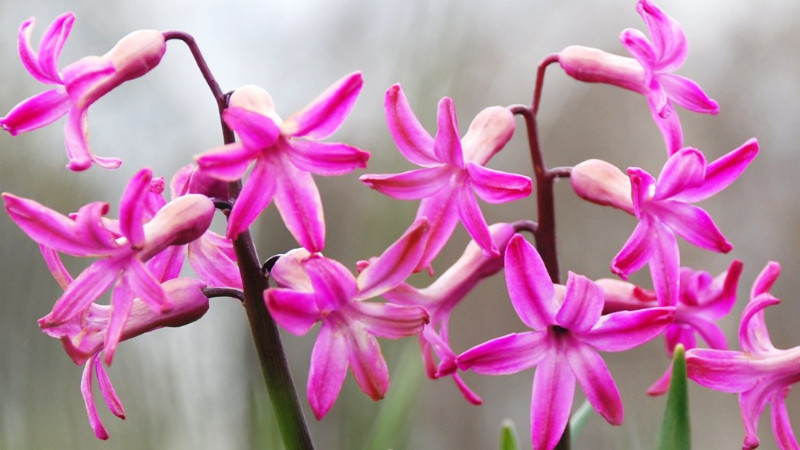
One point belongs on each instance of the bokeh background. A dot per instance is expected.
(199, 387)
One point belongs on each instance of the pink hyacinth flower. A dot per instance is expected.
(78, 85)
(649, 72)
(125, 250)
(452, 171)
(285, 154)
(84, 338)
(568, 331)
(443, 295)
(317, 289)
(760, 373)
(702, 301)
(663, 207)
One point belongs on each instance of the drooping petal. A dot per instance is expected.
(329, 360)
(669, 124)
(781, 426)
(121, 303)
(687, 93)
(324, 158)
(37, 111)
(390, 321)
(494, 186)
(710, 332)
(693, 224)
(473, 220)
(411, 185)
(506, 355)
(86, 288)
(441, 211)
(298, 201)
(254, 198)
(411, 139)
(636, 251)
(326, 113)
(665, 266)
(582, 306)
(56, 266)
(551, 402)
(131, 209)
(592, 374)
(227, 163)
(488, 133)
(396, 263)
(447, 144)
(367, 363)
(722, 172)
(721, 370)
(88, 399)
(625, 330)
(753, 333)
(752, 403)
(44, 64)
(668, 38)
(529, 286)
(145, 286)
(107, 391)
(256, 131)
(685, 169)
(296, 311)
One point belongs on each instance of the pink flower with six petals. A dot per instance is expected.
(452, 170)
(568, 332)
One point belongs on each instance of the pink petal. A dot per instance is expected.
(506, 355)
(753, 333)
(494, 186)
(324, 158)
(299, 203)
(529, 286)
(56, 266)
(592, 374)
(683, 170)
(441, 211)
(636, 251)
(411, 185)
(44, 65)
(390, 321)
(227, 163)
(334, 285)
(687, 93)
(642, 189)
(640, 48)
(447, 145)
(121, 303)
(329, 360)
(679, 333)
(146, 287)
(254, 198)
(764, 281)
(710, 332)
(288, 271)
(37, 111)
(752, 403)
(472, 218)
(582, 306)
(488, 133)
(693, 224)
(367, 363)
(468, 394)
(167, 265)
(86, 288)
(75, 130)
(722, 370)
(781, 426)
(326, 113)
(668, 37)
(625, 330)
(293, 310)
(131, 210)
(665, 266)
(212, 258)
(669, 124)
(551, 402)
(722, 172)
(661, 385)
(396, 263)
(256, 131)
(88, 399)
(107, 390)
(411, 139)
(722, 303)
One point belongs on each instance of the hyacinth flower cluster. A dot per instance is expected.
(136, 282)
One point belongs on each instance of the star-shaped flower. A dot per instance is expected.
(452, 171)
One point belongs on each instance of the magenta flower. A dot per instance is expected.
(702, 301)
(760, 373)
(317, 289)
(443, 295)
(568, 332)
(79, 85)
(283, 160)
(84, 338)
(649, 73)
(452, 170)
(664, 209)
(128, 251)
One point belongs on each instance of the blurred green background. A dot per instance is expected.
(199, 387)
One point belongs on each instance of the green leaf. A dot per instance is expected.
(579, 418)
(675, 433)
(508, 436)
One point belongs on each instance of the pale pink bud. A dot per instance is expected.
(596, 66)
(179, 222)
(600, 182)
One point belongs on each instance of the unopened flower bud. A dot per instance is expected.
(179, 222)
(601, 182)
(596, 66)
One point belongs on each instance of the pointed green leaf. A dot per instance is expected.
(675, 433)
(508, 436)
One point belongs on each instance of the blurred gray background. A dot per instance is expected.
(199, 387)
